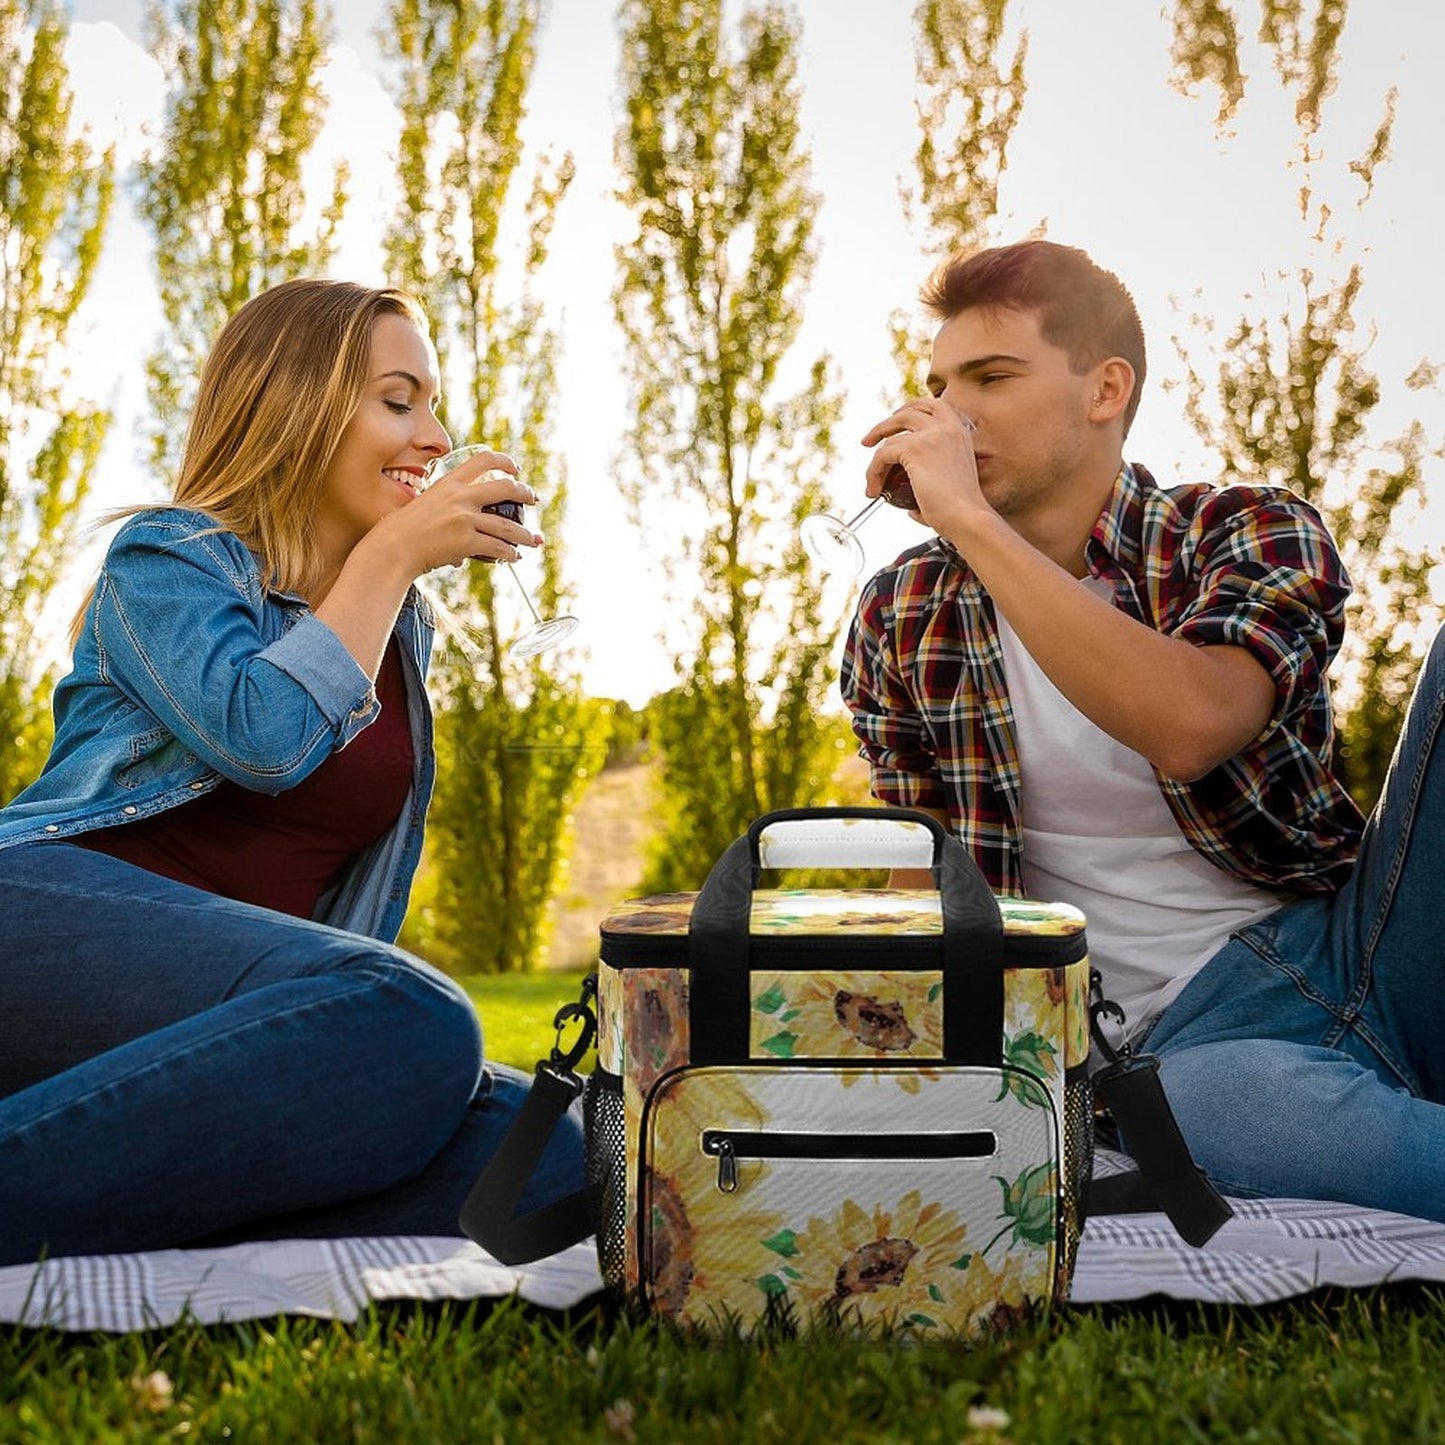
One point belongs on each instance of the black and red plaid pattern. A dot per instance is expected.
(1251, 566)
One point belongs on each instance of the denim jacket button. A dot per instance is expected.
(129, 809)
(197, 786)
(52, 827)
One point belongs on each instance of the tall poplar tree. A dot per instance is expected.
(1291, 393)
(723, 462)
(55, 197)
(223, 190)
(969, 93)
(516, 741)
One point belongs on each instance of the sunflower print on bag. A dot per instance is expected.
(910, 1265)
(928, 1244)
(846, 1014)
(699, 1239)
(898, 1254)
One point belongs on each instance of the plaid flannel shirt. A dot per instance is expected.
(1250, 566)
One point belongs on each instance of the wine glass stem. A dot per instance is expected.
(853, 523)
(526, 596)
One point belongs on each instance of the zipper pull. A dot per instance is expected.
(727, 1167)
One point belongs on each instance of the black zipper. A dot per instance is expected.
(730, 1145)
(794, 953)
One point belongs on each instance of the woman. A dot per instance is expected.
(205, 1031)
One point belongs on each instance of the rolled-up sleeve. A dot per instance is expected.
(178, 620)
(1270, 580)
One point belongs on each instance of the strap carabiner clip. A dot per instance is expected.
(1104, 1008)
(563, 1061)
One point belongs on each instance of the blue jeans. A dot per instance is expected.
(1307, 1058)
(177, 1068)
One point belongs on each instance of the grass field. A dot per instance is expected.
(517, 1012)
(1342, 1367)
(1362, 1368)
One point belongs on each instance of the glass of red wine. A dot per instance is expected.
(833, 543)
(544, 632)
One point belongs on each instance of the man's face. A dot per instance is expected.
(1031, 410)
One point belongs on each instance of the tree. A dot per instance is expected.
(968, 103)
(709, 298)
(1292, 392)
(55, 198)
(515, 741)
(1206, 51)
(224, 189)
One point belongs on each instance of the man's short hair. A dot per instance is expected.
(1083, 309)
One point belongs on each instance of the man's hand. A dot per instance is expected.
(933, 443)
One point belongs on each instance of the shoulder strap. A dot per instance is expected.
(1167, 1178)
(489, 1215)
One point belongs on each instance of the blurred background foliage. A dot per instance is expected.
(552, 801)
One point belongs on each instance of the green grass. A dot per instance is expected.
(517, 1012)
(1341, 1367)
(1363, 1367)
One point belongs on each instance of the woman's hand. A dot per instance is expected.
(449, 523)
(443, 526)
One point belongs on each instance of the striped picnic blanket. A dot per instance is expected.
(1272, 1249)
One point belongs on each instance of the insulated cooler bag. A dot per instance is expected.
(855, 1105)
(842, 1103)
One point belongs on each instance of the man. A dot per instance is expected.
(1115, 695)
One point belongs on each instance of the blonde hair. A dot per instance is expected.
(283, 379)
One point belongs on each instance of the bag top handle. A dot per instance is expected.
(720, 942)
(847, 838)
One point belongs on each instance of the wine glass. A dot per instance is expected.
(833, 543)
(544, 632)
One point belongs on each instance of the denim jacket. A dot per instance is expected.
(188, 671)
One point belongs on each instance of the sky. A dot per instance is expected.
(1197, 220)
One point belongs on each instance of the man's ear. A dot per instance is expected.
(1113, 386)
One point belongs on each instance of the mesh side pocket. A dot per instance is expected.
(606, 1153)
(1078, 1169)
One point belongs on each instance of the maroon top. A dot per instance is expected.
(283, 852)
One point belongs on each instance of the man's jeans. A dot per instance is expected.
(1307, 1058)
(178, 1068)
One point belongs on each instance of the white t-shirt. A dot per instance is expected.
(1098, 833)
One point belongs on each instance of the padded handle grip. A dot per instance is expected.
(847, 838)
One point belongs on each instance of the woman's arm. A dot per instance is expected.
(178, 622)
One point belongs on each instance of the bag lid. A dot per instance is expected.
(804, 912)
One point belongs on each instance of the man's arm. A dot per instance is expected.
(885, 718)
(1184, 707)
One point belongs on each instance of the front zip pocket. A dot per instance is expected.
(730, 1145)
(928, 1195)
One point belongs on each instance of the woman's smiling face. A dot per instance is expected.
(392, 435)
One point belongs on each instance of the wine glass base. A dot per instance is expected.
(832, 544)
(542, 636)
